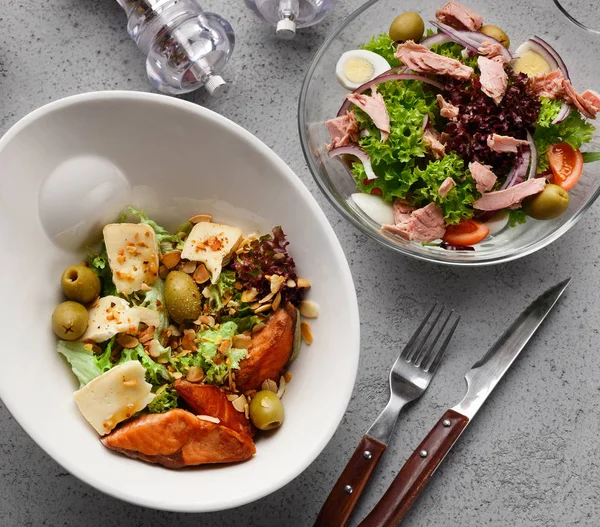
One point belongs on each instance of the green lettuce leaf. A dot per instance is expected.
(235, 356)
(98, 262)
(155, 299)
(83, 361)
(242, 321)
(166, 399)
(222, 289)
(548, 112)
(383, 45)
(156, 374)
(454, 51)
(166, 241)
(516, 217)
(574, 130)
(590, 157)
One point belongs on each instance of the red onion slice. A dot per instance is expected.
(386, 78)
(392, 71)
(358, 152)
(533, 162)
(436, 40)
(565, 110)
(518, 172)
(472, 40)
(551, 51)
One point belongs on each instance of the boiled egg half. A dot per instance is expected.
(359, 66)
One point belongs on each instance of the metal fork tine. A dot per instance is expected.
(423, 336)
(429, 344)
(408, 348)
(436, 356)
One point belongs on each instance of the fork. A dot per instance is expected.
(409, 378)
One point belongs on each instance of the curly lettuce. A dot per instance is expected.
(166, 241)
(98, 262)
(156, 374)
(223, 290)
(85, 365)
(155, 299)
(454, 51)
(166, 399)
(383, 45)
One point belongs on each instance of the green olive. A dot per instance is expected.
(69, 320)
(407, 26)
(497, 33)
(80, 283)
(549, 203)
(266, 410)
(182, 297)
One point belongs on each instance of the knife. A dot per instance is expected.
(481, 380)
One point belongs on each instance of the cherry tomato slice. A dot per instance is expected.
(467, 232)
(566, 164)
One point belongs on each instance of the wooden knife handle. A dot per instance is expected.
(342, 500)
(416, 472)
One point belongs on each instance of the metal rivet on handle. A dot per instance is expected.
(348, 489)
(367, 454)
(423, 453)
(446, 422)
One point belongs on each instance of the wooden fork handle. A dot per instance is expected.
(417, 471)
(348, 489)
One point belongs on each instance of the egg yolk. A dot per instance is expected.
(358, 70)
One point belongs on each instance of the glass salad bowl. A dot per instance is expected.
(322, 96)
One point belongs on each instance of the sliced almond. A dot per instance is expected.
(266, 298)
(207, 320)
(224, 346)
(209, 418)
(282, 386)
(188, 267)
(270, 385)
(242, 341)
(163, 272)
(306, 332)
(170, 260)
(177, 375)
(276, 282)
(263, 308)
(249, 295)
(240, 403)
(277, 302)
(232, 397)
(309, 309)
(174, 330)
(290, 283)
(145, 287)
(287, 376)
(194, 374)
(200, 218)
(259, 327)
(303, 282)
(201, 274)
(154, 349)
(188, 340)
(127, 341)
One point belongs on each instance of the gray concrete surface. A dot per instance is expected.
(531, 458)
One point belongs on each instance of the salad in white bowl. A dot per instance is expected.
(462, 135)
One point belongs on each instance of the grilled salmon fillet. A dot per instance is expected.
(204, 399)
(269, 351)
(177, 438)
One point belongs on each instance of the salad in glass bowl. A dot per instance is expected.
(462, 136)
(182, 341)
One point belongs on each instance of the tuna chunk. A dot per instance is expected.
(343, 130)
(446, 186)
(434, 141)
(177, 438)
(420, 59)
(592, 99)
(492, 50)
(205, 399)
(269, 351)
(494, 79)
(587, 108)
(423, 225)
(510, 197)
(459, 16)
(401, 211)
(374, 107)
(504, 143)
(548, 85)
(447, 110)
(484, 178)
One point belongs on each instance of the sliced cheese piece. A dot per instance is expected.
(211, 244)
(132, 255)
(109, 316)
(150, 317)
(114, 396)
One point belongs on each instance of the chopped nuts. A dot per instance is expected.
(242, 341)
(200, 218)
(240, 403)
(224, 346)
(170, 260)
(287, 376)
(306, 332)
(209, 418)
(188, 267)
(127, 341)
(207, 320)
(174, 330)
(282, 386)
(290, 283)
(276, 282)
(277, 302)
(187, 343)
(263, 308)
(194, 374)
(249, 295)
(309, 309)
(270, 385)
(154, 349)
(303, 283)
(201, 274)
(146, 335)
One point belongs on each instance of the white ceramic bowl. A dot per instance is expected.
(70, 166)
